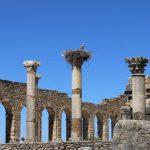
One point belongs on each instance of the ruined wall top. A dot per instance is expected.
(137, 64)
(76, 57)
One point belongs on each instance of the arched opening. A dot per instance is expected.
(65, 115)
(3, 124)
(110, 131)
(45, 122)
(95, 127)
(63, 126)
(23, 123)
(98, 125)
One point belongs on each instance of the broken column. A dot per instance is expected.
(31, 67)
(76, 57)
(137, 66)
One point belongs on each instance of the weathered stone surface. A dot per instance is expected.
(13, 98)
(131, 135)
(58, 146)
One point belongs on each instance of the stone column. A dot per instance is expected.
(137, 66)
(31, 67)
(76, 58)
(105, 130)
(38, 77)
(76, 103)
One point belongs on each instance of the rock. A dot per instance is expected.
(85, 148)
(131, 135)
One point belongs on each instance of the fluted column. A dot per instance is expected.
(38, 77)
(31, 67)
(137, 66)
(105, 136)
(76, 58)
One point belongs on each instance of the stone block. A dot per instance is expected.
(131, 135)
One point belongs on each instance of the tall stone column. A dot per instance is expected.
(38, 77)
(31, 67)
(137, 66)
(76, 58)
(105, 136)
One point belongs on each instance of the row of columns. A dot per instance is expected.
(76, 58)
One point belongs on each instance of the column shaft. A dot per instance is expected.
(31, 109)
(76, 133)
(138, 96)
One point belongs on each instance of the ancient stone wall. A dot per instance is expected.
(13, 98)
(59, 146)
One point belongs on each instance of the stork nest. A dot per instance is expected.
(77, 56)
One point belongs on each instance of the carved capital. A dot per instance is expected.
(137, 65)
(38, 77)
(31, 65)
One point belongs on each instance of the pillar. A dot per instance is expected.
(57, 130)
(91, 129)
(76, 134)
(31, 67)
(76, 58)
(38, 77)
(137, 66)
(105, 130)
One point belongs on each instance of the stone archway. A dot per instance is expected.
(9, 118)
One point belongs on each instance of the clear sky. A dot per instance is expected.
(42, 29)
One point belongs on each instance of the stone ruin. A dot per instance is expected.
(130, 112)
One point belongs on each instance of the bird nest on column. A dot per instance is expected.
(77, 56)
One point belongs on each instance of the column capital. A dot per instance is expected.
(38, 77)
(76, 57)
(31, 65)
(137, 64)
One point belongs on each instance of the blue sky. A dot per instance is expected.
(42, 29)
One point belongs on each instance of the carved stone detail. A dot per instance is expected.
(31, 65)
(137, 64)
(38, 77)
